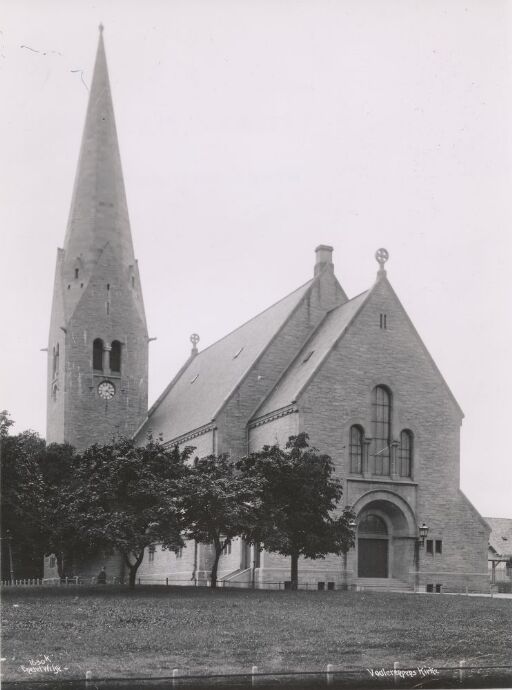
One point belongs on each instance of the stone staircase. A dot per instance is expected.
(382, 584)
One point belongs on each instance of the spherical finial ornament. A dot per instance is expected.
(382, 255)
(194, 339)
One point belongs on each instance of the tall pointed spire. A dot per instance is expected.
(99, 212)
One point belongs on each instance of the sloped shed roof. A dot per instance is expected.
(500, 539)
(199, 391)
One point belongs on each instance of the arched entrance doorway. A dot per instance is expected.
(372, 546)
(385, 538)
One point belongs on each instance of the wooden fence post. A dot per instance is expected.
(330, 677)
(462, 663)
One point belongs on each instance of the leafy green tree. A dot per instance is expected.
(35, 480)
(126, 498)
(22, 499)
(299, 496)
(59, 531)
(5, 423)
(219, 503)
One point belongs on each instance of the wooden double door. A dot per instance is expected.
(372, 557)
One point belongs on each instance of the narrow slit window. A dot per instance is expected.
(384, 321)
(76, 273)
(195, 378)
(237, 353)
(430, 546)
(307, 357)
(133, 281)
(439, 546)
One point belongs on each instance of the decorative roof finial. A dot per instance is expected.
(381, 255)
(194, 339)
(101, 27)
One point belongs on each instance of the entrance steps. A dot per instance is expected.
(381, 584)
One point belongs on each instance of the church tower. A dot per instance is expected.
(98, 342)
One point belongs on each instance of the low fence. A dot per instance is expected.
(58, 582)
(170, 581)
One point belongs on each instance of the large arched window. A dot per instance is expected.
(97, 354)
(405, 454)
(381, 430)
(356, 449)
(115, 357)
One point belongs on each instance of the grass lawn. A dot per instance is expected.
(148, 632)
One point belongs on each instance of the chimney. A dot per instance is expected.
(323, 258)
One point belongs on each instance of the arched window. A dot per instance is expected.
(356, 449)
(405, 454)
(381, 430)
(97, 354)
(372, 524)
(115, 356)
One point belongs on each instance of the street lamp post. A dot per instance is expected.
(352, 524)
(419, 541)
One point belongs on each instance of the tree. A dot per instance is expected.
(299, 495)
(5, 423)
(60, 535)
(34, 480)
(125, 498)
(22, 498)
(219, 504)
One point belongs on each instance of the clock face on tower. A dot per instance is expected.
(106, 390)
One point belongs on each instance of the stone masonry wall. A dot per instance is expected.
(232, 421)
(88, 418)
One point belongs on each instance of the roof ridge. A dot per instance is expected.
(311, 281)
(185, 367)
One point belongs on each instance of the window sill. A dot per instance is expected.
(379, 479)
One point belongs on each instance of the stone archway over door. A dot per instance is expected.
(372, 547)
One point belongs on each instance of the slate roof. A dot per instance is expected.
(500, 539)
(314, 351)
(200, 389)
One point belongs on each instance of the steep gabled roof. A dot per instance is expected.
(206, 381)
(329, 331)
(500, 538)
(312, 354)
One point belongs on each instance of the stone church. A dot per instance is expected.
(351, 372)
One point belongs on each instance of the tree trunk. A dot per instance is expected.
(132, 567)
(213, 575)
(294, 575)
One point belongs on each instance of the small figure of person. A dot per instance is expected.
(102, 577)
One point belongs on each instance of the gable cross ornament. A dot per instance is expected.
(381, 255)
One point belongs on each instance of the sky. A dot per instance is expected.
(252, 131)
